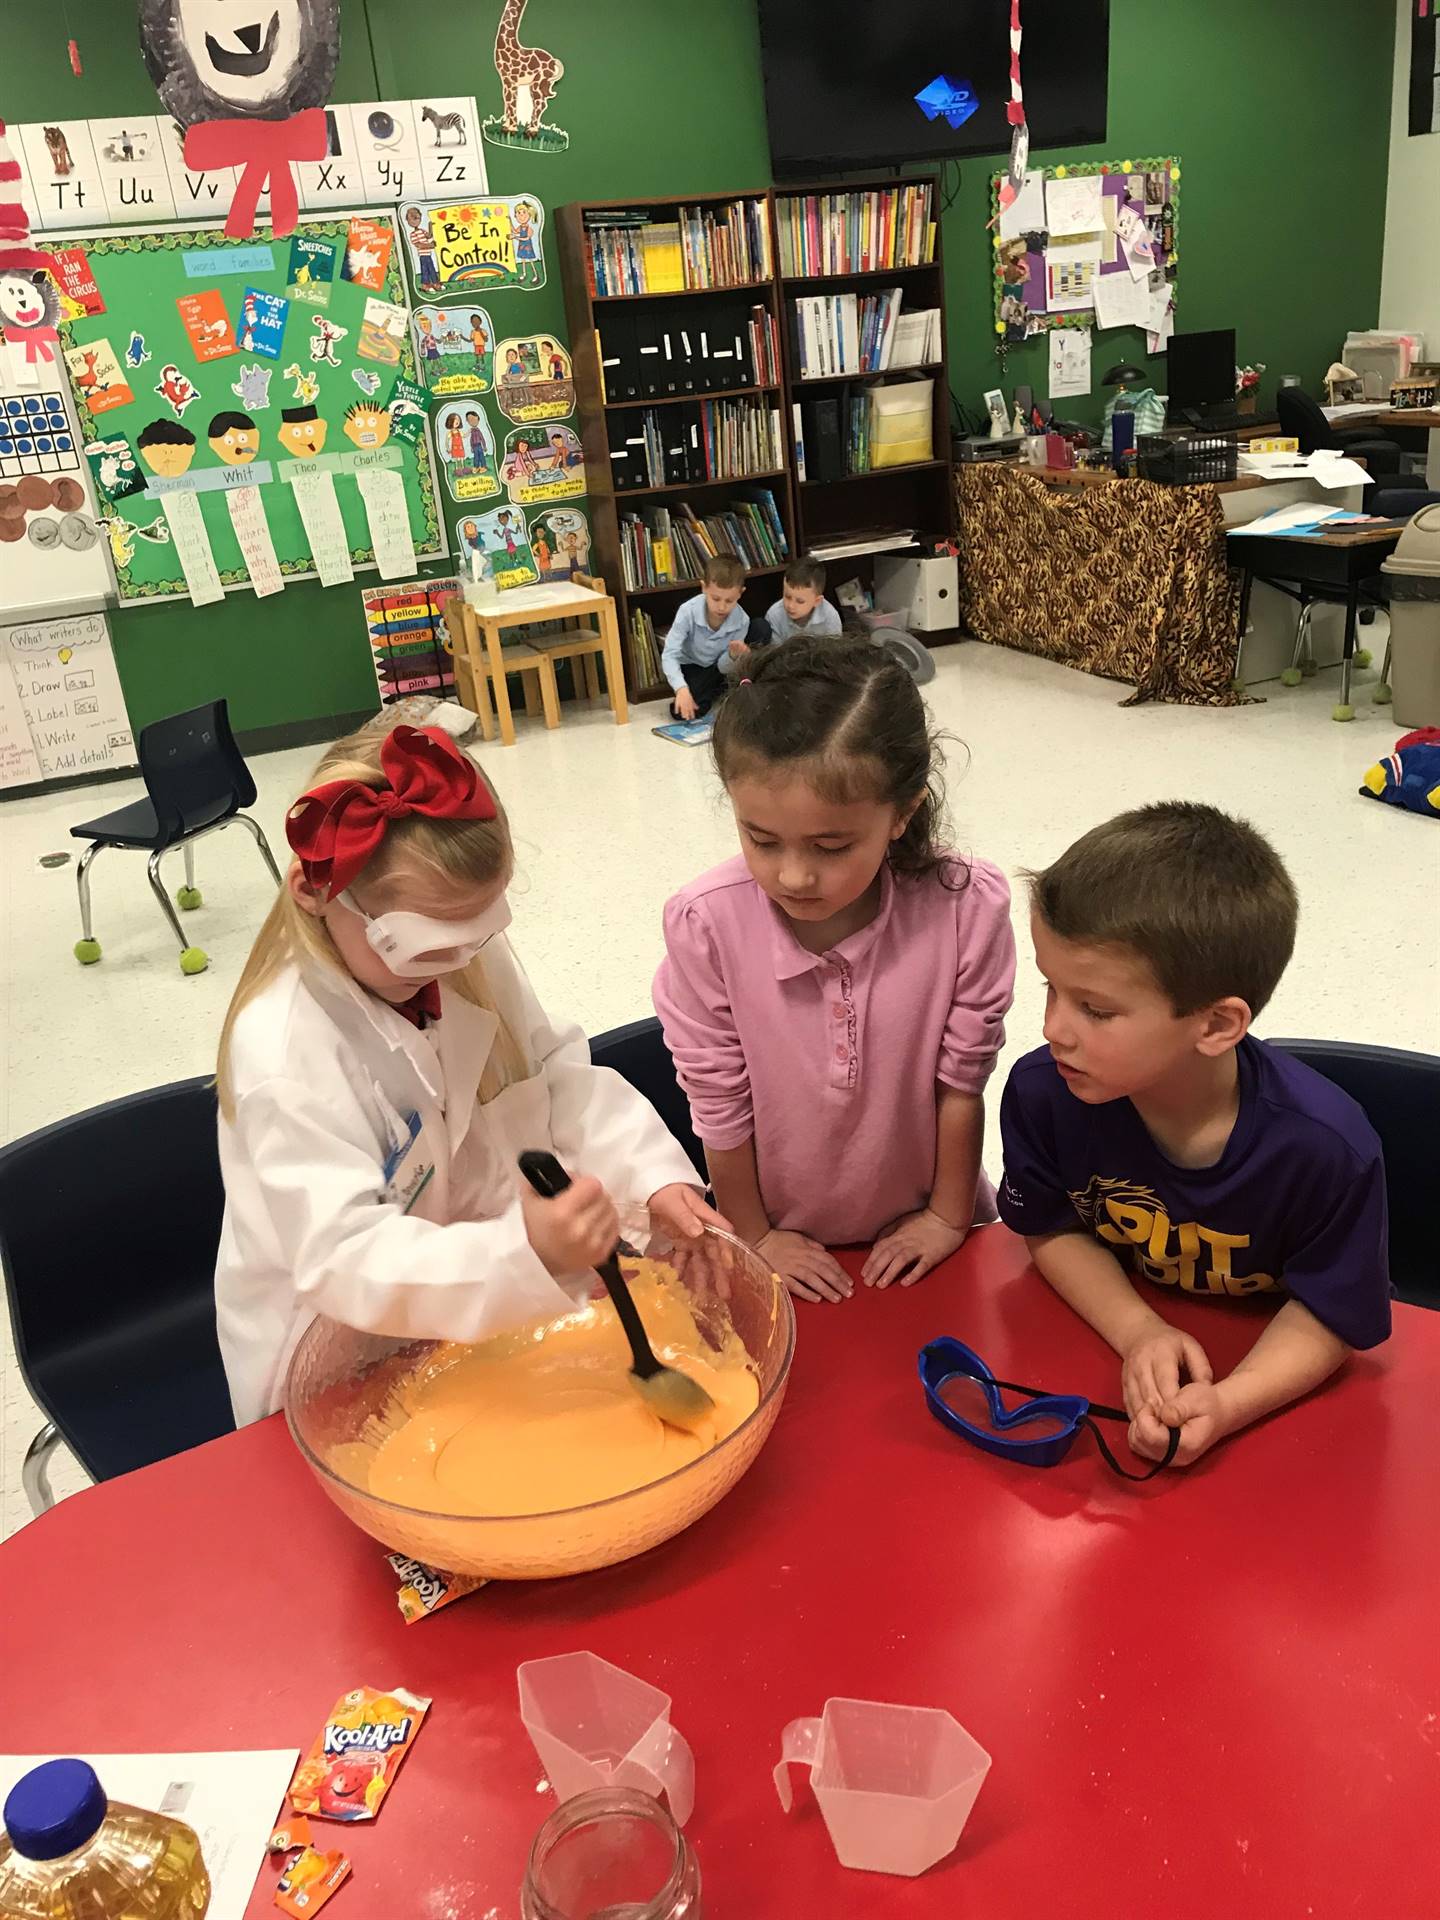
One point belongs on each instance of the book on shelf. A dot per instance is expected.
(917, 339)
(843, 333)
(864, 230)
(644, 650)
(681, 445)
(651, 353)
(855, 429)
(668, 546)
(690, 249)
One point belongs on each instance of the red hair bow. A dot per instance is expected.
(335, 828)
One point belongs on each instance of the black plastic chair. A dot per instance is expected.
(195, 782)
(1400, 1093)
(109, 1225)
(1304, 418)
(638, 1053)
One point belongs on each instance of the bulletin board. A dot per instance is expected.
(1022, 289)
(165, 294)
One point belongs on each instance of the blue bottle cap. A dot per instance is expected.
(54, 1809)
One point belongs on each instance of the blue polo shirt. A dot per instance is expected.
(693, 642)
(824, 622)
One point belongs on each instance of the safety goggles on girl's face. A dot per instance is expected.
(415, 947)
(966, 1397)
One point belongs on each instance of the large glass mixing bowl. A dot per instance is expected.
(340, 1384)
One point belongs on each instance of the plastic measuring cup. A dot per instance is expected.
(594, 1725)
(895, 1784)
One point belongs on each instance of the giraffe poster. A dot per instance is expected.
(528, 79)
(475, 246)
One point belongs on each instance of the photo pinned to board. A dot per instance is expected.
(535, 380)
(560, 542)
(98, 376)
(467, 452)
(252, 387)
(454, 349)
(528, 79)
(503, 539)
(114, 468)
(543, 464)
(477, 245)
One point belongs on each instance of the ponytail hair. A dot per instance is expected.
(848, 720)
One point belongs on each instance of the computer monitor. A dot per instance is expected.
(1201, 369)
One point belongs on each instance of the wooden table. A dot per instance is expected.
(1212, 1697)
(484, 623)
(1337, 564)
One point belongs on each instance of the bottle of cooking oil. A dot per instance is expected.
(69, 1854)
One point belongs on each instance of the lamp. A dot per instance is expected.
(1123, 375)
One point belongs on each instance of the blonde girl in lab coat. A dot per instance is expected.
(383, 1063)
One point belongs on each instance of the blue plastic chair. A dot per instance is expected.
(1400, 1093)
(196, 782)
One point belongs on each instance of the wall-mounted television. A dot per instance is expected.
(853, 84)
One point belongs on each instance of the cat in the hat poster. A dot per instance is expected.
(29, 303)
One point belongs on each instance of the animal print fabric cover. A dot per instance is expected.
(1126, 580)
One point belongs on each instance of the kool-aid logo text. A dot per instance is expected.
(372, 1737)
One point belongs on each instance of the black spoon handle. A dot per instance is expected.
(549, 1179)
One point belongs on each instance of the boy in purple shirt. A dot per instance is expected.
(1155, 1139)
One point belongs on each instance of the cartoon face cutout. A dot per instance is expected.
(22, 300)
(302, 432)
(213, 58)
(167, 448)
(234, 438)
(367, 426)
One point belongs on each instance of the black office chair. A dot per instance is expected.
(1303, 418)
(109, 1225)
(195, 782)
(638, 1053)
(1400, 1093)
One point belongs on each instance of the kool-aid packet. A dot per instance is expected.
(353, 1761)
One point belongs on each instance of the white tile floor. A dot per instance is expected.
(610, 821)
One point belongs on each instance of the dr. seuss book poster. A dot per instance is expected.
(542, 464)
(467, 451)
(534, 379)
(454, 349)
(475, 246)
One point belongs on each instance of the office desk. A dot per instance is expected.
(1375, 420)
(1335, 563)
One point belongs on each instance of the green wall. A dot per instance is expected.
(1279, 113)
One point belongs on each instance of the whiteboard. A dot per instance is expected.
(62, 712)
(33, 579)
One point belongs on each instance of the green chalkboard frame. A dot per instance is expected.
(153, 571)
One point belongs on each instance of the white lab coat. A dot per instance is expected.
(327, 1082)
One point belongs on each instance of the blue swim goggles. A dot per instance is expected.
(964, 1396)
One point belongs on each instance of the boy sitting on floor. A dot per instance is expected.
(1154, 1138)
(698, 652)
(802, 606)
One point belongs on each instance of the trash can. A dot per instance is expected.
(1412, 586)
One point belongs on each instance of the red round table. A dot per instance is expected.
(1211, 1697)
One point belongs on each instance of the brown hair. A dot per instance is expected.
(1201, 896)
(467, 853)
(806, 573)
(724, 570)
(849, 721)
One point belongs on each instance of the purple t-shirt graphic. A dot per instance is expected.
(1294, 1206)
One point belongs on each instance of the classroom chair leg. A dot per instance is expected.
(1301, 659)
(1381, 695)
(189, 897)
(253, 827)
(87, 947)
(192, 960)
(592, 677)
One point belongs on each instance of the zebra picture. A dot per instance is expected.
(445, 123)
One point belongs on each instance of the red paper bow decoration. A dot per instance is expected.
(335, 828)
(266, 149)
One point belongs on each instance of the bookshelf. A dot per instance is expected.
(606, 414)
(811, 513)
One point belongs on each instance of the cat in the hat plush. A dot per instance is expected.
(29, 303)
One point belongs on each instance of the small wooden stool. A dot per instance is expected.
(482, 659)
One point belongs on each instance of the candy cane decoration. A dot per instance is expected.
(1015, 114)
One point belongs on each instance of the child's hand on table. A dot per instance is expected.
(1199, 1410)
(809, 1270)
(910, 1247)
(681, 1212)
(1167, 1381)
(575, 1230)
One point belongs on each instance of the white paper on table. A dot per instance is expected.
(1305, 513)
(1074, 205)
(1070, 275)
(192, 548)
(1135, 238)
(1334, 470)
(319, 508)
(1069, 361)
(230, 1799)
(1121, 301)
(1026, 212)
(383, 491)
(252, 530)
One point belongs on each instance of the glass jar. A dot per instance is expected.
(613, 1854)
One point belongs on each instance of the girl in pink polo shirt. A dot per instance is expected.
(834, 998)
